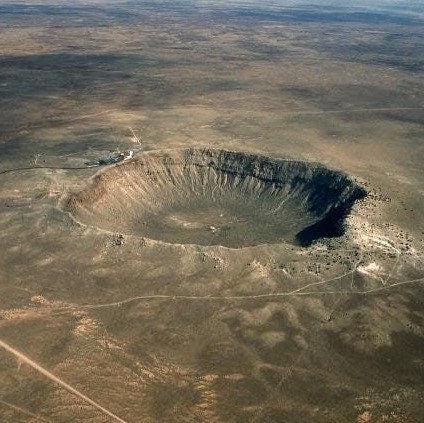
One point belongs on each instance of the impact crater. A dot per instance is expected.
(217, 197)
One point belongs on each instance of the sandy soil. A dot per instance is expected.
(100, 325)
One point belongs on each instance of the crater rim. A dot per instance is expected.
(301, 179)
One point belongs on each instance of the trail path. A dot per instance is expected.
(342, 111)
(297, 292)
(57, 380)
(23, 411)
(20, 169)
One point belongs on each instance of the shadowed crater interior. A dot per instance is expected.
(217, 197)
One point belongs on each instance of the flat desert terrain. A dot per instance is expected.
(211, 211)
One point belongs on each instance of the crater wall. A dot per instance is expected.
(217, 197)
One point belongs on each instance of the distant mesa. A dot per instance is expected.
(217, 197)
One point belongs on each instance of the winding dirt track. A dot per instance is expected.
(57, 380)
(296, 292)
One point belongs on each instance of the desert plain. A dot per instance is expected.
(259, 258)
